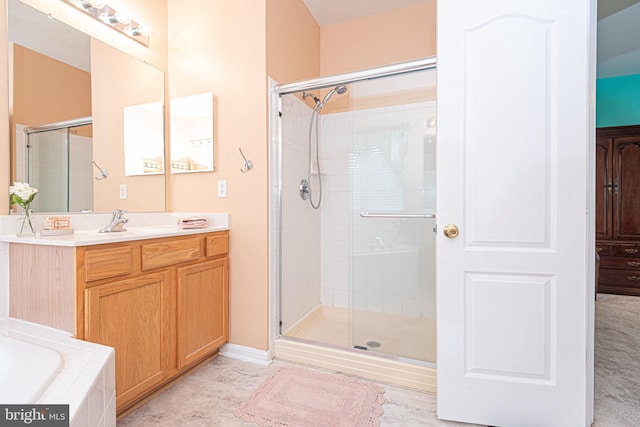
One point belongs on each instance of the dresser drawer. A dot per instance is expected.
(630, 278)
(217, 244)
(603, 249)
(620, 262)
(105, 263)
(164, 253)
(626, 250)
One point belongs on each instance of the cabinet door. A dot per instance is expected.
(133, 317)
(627, 188)
(604, 185)
(203, 306)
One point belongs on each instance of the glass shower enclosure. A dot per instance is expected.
(358, 271)
(57, 160)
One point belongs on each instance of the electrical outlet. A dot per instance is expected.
(123, 191)
(222, 188)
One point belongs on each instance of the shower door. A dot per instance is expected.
(58, 164)
(392, 206)
(357, 264)
(48, 170)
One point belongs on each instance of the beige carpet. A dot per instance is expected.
(295, 397)
(617, 370)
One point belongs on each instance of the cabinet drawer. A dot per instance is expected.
(620, 262)
(217, 244)
(161, 254)
(626, 250)
(610, 276)
(603, 250)
(105, 263)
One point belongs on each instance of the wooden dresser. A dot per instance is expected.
(618, 209)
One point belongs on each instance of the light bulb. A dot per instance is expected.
(108, 18)
(122, 17)
(98, 4)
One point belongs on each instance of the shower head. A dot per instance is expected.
(339, 89)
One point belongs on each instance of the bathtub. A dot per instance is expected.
(42, 365)
(26, 370)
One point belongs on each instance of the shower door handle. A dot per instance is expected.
(380, 215)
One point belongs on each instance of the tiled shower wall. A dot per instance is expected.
(379, 160)
(300, 242)
(393, 259)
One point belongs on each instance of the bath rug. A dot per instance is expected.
(295, 397)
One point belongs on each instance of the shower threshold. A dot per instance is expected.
(323, 339)
(361, 363)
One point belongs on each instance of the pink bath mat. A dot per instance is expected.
(295, 397)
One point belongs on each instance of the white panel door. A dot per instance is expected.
(515, 287)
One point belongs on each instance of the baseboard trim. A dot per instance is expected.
(246, 354)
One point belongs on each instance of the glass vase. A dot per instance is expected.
(25, 226)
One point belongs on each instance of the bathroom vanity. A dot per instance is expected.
(158, 296)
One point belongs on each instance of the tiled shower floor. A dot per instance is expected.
(401, 336)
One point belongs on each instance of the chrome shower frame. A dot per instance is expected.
(275, 93)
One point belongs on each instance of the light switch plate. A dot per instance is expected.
(123, 191)
(222, 188)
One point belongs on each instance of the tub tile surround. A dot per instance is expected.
(87, 378)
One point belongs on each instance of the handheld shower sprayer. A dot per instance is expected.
(305, 184)
(339, 89)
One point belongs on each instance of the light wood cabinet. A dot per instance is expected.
(161, 303)
(203, 306)
(133, 316)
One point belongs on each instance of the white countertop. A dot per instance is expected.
(139, 227)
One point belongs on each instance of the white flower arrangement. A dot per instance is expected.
(22, 194)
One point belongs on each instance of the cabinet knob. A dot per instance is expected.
(630, 251)
(633, 278)
(633, 263)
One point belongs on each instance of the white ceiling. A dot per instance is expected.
(31, 28)
(328, 12)
(619, 41)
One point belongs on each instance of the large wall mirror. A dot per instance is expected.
(71, 103)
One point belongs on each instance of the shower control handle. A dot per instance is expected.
(450, 230)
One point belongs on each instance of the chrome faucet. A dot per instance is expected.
(117, 222)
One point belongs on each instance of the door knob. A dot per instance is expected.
(450, 230)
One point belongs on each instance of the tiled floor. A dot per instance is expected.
(210, 395)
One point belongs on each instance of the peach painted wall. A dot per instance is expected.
(47, 91)
(5, 151)
(395, 36)
(118, 81)
(293, 41)
(219, 46)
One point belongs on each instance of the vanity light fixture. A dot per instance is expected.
(116, 19)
